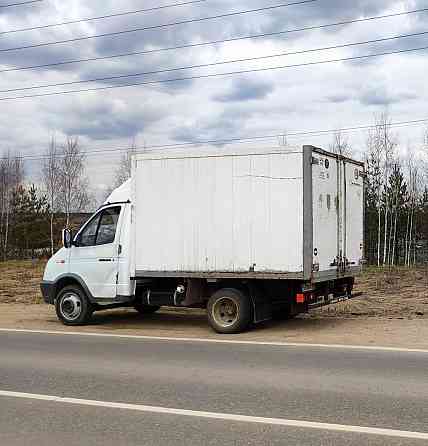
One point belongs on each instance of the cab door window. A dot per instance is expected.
(101, 230)
(88, 236)
(107, 226)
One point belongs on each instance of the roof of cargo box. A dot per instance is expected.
(209, 151)
(231, 150)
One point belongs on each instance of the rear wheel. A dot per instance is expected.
(146, 309)
(229, 311)
(72, 306)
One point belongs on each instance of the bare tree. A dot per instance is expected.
(51, 179)
(425, 151)
(11, 177)
(283, 139)
(123, 171)
(374, 163)
(388, 144)
(384, 143)
(413, 179)
(340, 144)
(73, 183)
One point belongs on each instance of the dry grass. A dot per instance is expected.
(387, 293)
(20, 281)
(398, 293)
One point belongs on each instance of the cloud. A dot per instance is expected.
(381, 95)
(263, 103)
(338, 98)
(246, 89)
(102, 120)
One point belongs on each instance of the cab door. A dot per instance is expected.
(95, 252)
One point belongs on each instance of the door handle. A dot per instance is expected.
(105, 260)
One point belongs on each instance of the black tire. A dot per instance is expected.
(146, 309)
(73, 306)
(229, 311)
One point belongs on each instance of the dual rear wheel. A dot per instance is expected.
(229, 311)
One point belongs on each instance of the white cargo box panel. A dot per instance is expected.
(219, 212)
(338, 213)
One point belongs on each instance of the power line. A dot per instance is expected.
(21, 3)
(39, 157)
(164, 25)
(212, 42)
(102, 17)
(207, 76)
(224, 62)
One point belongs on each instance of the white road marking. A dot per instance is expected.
(221, 416)
(216, 341)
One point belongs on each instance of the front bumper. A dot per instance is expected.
(48, 291)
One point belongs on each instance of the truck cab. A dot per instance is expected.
(94, 261)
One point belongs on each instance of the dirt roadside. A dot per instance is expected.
(192, 323)
(392, 312)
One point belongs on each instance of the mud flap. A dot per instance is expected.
(263, 309)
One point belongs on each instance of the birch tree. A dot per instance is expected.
(73, 183)
(11, 177)
(283, 139)
(397, 192)
(51, 180)
(340, 144)
(374, 179)
(123, 171)
(387, 142)
(413, 182)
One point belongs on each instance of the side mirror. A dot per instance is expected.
(67, 238)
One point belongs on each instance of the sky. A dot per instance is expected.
(296, 99)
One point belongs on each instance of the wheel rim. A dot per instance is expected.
(225, 311)
(71, 306)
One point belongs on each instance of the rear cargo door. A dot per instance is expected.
(354, 212)
(326, 210)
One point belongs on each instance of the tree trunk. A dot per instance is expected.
(411, 238)
(406, 243)
(414, 246)
(390, 235)
(6, 234)
(378, 235)
(52, 240)
(385, 234)
(394, 239)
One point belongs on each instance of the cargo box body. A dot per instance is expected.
(293, 213)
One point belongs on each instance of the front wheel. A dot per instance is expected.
(72, 306)
(229, 311)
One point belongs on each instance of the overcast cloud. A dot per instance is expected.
(309, 98)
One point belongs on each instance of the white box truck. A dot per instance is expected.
(246, 235)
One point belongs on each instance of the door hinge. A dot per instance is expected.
(119, 250)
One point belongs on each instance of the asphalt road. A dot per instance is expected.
(351, 388)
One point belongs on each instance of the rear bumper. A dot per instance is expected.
(48, 291)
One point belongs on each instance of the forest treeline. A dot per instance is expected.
(396, 196)
(32, 216)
